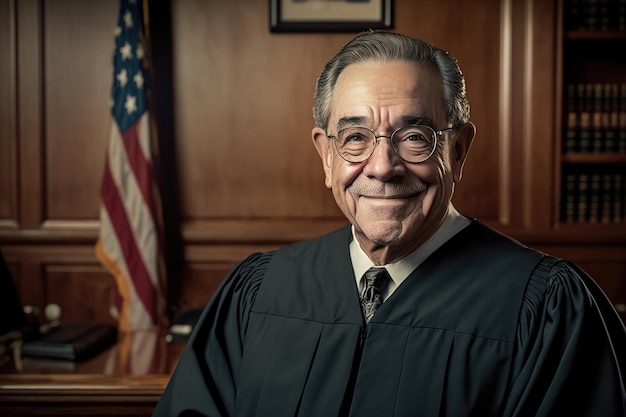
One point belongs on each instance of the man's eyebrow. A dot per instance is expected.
(414, 119)
(406, 120)
(351, 122)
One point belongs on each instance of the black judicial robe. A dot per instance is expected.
(484, 327)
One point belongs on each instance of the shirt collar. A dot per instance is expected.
(453, 223)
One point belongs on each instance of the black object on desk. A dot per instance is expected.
(72, 341)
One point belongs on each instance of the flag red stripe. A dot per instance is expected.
(132, 255)
(140, 165)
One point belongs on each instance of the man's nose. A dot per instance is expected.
(384, 163)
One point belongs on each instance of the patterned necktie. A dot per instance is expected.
(376, 279)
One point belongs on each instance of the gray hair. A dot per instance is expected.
(387, 46)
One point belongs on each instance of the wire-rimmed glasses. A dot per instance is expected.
(414, 143)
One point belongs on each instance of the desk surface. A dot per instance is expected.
(127, 379)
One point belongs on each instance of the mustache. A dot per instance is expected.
(386, 189)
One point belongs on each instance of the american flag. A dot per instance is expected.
(129, 241)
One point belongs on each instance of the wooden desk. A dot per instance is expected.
(126, 379)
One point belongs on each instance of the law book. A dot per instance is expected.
(594, 198)
(569, 197)
(618, 198)
(573, 14)
(611, 117)
(591, 18)
(582, 198)
(597, 126)
(606, 209)
(621, 130)
(594, 15)
(571, 126)
(605, 15)
(585, 94)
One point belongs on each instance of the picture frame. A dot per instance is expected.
(330, 15)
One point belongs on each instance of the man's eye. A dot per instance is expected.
(416, 137)
(355, 137)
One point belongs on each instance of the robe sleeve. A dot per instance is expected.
(205, 379)
(570, 345)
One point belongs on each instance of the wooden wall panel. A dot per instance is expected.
(243, 104)
(77, 74)
(8, 133)
(29, 110)
(539, 116)
(201, 281)
(64, 274)
(84, 292)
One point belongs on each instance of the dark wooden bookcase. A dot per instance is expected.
(591, 130)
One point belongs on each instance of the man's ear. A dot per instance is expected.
(460, 149)
(322, 145)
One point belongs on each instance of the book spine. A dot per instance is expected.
(604, 17)
(572, 123)
(594, 195)
(611, 117)
(621, 122)
(597, 127)
(573, 14)
(606, 210)
(594, 15)
(591, 16)
(585, 93)
(569, 197)
(594, 198)
(618, 198)
(582, 198)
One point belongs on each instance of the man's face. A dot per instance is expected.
(394, 205)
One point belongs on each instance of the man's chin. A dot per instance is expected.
(383, 232)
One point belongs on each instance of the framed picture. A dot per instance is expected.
(329, 15)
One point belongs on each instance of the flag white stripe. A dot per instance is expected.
(138, 213)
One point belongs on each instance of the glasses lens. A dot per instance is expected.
(415, 143)
(355, 144)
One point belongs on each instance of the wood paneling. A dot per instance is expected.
(84, 292)
(8, 134)
(77, 78)
(29, 114)
(201, 282)
(243, 114)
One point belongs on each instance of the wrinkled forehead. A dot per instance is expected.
(388, 93)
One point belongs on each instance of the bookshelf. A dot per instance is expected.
(591, 145)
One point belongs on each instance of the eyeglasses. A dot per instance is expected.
(415, 143)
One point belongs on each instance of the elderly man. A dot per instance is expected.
(412, 309)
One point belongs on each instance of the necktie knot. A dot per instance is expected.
(376, 279)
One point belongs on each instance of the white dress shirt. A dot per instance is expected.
(453, 223)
